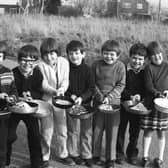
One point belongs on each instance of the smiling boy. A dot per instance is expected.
(81, 86)
(134, 90)
(109, 75)
(28, 79)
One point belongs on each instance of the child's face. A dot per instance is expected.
(76, 57)
(26, 65)
(137, 61)
(50, 58)
(110, 57)
(157, 58)
(1, 56)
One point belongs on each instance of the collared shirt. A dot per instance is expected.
(129, 67)
(134, 83)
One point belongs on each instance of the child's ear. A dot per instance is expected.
(119, 55)
(84, 54)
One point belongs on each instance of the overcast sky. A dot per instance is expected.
(164, 3)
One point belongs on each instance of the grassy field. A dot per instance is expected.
(18, 30)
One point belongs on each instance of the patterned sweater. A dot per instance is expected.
(7, 84)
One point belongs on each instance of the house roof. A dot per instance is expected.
(8, 2)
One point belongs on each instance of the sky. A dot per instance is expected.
(164, 3)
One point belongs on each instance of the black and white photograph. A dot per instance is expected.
(83, 83)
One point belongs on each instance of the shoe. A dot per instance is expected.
(45, 164)
(89, 162)
(97, 161)
(25, 166)
(68, 161)
(7, 162)
(133, 160)
(78, 160)
(120, 161)
(110, 164)
(145, 162)
(6, 167)
(158, 163)
(33, 166)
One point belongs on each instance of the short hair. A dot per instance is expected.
(3, 48)
(153, 48)
(138, 49)
(48, 45)
(111, 45)
(75, 45)
(28, 51)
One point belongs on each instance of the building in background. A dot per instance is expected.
(130, 8)
(134, 8)
(9, 7)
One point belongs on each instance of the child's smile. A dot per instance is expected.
(110, 57)
(26, 65)
(157, 58)
(76, 57)
(137, 61)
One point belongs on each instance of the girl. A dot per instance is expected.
(156, 81)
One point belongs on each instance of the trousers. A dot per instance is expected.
(80, 137)
(108, 123)
(3, 140)
(33, 135)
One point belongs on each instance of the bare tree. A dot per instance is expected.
(159, 12)
(39, 6)
(42, 6)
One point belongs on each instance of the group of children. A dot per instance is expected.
(107, 81)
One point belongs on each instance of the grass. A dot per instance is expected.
(18, 30)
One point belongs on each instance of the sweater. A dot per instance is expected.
(135, 84)
(156, 80)
(54, 78)
(81, 82)
(110, 80)
(7, 84)
(32, 83)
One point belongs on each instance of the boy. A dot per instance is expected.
(109, 74)
(80, 89)
(55, 70)
(28, 79)
(134, 90)
(8, 93)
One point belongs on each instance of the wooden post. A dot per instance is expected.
(159, 12)
(42, 7)
(118, 7)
